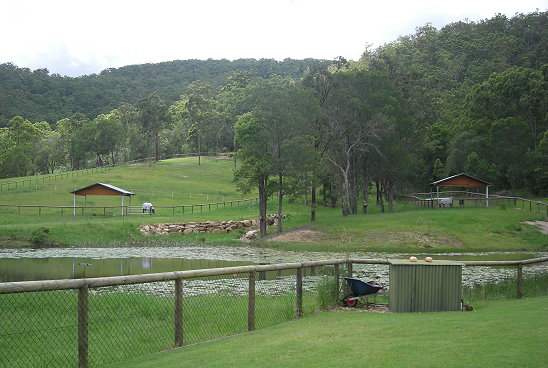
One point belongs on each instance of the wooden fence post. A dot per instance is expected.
(83, 350)
(519, 279)
(299, 293)
(349, 269)
(337, 274)
(179, 312)
(251, 303)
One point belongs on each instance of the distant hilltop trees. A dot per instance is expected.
(470, 97)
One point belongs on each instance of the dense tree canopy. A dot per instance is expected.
(470, 97)
(38, 96)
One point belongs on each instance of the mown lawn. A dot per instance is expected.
(509, 333)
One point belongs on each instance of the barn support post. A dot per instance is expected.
(487, 196)
(122, 205)
(74, 204)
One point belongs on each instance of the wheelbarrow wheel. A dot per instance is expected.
(350, 303)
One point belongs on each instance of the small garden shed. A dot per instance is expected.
(464, 181)
(423, 286)
(102, 190)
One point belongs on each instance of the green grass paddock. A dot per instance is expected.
(182, 182)
(509, 333)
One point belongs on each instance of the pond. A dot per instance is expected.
(64, 263)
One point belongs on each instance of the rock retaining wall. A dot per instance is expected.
(208, 227)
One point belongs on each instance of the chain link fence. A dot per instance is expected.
(95, 322)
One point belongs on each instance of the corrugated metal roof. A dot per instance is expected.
(112, 187)
(424, 263)
(456, 176)
(421, 288)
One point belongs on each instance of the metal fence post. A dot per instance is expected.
(251, 303)
(83, 351)
(178, 312)
(299, 293)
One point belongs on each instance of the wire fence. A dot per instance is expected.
(41, 179)
(37, 179)
(98, 321)
(113, 319)
(118, 210)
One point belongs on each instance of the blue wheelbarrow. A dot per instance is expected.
(360, 289)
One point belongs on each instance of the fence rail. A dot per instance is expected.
(248, 297)
(43, 178)
(128, 210)
(48, 177)
(430, 200)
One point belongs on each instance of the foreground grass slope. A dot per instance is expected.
(182, 182)
(510, 333)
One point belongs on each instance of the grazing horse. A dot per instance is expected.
(147, 207)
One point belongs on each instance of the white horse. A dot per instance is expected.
(147, 207)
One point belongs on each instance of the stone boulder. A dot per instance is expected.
(207, 227)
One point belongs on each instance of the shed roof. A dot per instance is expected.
(404, 262)
(102, 189)
(460, 180)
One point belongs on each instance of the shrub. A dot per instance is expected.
(40, 237)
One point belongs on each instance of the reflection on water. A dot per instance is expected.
(53, 268)
(64, 263)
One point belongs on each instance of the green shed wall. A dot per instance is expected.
(425, 287)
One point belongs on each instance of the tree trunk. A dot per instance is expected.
(390, 195)
(365, 184)
(380, 200)
(353, 191)
(200, 153)
(313, 203)
(378, 188)
(344, 197)
(156, 146)
(262, 206)
(280, 198)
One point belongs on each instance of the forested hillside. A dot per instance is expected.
(38, 96)
(477, 94)
(470, 97)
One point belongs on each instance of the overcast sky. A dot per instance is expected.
(76, 37)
